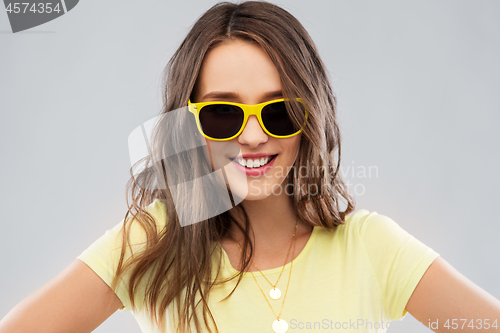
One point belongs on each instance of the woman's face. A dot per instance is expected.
(242, 72)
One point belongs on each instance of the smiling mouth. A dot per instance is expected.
(254, 163)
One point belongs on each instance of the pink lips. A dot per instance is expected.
(252, 156)
(254, 171)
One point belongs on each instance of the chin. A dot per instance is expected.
(256, 196)
(254, 190)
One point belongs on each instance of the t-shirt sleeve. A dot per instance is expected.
(398, 259)
(103, 255)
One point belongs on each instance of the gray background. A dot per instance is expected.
(417, 86)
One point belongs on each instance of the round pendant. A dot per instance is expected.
(275, 293)
(280, 326)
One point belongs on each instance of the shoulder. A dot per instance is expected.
(369, 230)
(159, 212)
(384, 240)
(136, 227)
(363, 221)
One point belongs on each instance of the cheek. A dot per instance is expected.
(290, 148)
(295, 146)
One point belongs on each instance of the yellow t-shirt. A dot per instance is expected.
(355, 278)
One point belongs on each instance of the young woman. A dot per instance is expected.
(250, 96)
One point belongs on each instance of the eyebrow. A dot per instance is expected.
(229, 95)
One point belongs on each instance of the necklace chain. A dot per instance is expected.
(286, 259)
(290, 274)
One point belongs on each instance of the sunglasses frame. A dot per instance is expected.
(248, 110)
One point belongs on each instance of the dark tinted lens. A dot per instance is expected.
(276, 119)
(221, 121)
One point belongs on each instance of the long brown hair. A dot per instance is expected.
(178, 258)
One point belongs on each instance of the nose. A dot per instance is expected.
(253, 134)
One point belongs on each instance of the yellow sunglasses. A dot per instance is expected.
(222, 121)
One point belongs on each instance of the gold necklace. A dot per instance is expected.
(275, 293)
(279, 325)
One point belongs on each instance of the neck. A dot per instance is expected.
(272, 223)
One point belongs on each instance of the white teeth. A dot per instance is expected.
(253, 163)
(241, 161)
